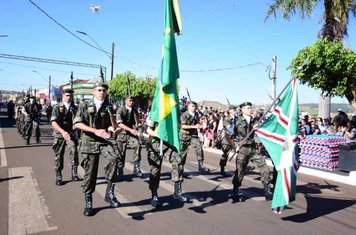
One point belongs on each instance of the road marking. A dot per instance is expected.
(252, 195)
(28, 212)
(125, 211)
(3, 160)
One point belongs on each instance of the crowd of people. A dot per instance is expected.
(104, 130)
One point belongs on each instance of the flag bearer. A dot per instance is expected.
(155, 161)
(246, 152)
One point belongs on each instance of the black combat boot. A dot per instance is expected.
(59, 181)
(110, 195)
(27, 140)
(75, 176)
(236, 196)
(137, 170)
(154, 201)
(38, 140)
(178, 192)
(222, 171)
(88, 209)
(268, 192)
(119, 174)
(202, 168)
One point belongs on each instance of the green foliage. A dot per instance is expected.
(329, 67)
(140, 87)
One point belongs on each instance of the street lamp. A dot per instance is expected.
(49, 84)
(110, 55)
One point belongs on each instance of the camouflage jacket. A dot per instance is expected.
(99, 119)
(63, 117)
(243, 128)
(124, 116)
(187, 119)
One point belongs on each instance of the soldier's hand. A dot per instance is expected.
(198, 126)
(135, 132)
(66, 136)
(102, 133)
(237, 149)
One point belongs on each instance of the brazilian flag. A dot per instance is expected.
(165, 105)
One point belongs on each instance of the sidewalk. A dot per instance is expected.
(337, 176)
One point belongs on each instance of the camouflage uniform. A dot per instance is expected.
(247, 152)
(92, 146)
(189, 137)
(32, 121)
(155, 161)
(128, 118)
(64, 118)
(229, 123)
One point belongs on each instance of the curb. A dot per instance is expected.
(345, 179)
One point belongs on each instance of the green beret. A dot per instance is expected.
(101, 84)
(245, 104)
(68, 90)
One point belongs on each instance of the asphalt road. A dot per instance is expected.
(31, 203)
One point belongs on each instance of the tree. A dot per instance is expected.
(336, 17)
(330, 67)
(142, 88)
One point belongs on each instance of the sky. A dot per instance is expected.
(224, 51)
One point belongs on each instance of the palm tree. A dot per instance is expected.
(336, 18)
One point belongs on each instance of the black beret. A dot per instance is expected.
(232, 107)
(101, 84)
(192, 102)
(129, 97)
(68, 90)
(245, 104)
(33, 97)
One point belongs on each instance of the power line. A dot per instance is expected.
(65, 27)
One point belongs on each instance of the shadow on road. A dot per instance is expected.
(10, 178)
(318, 206)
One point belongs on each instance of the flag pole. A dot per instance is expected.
(275, 101)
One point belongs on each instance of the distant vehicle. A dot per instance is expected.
(95, 8)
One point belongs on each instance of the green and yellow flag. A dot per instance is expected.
(165, 103)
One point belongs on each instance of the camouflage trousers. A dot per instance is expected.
(59, 146)
(155, 161)
(29, 126)
(226, 149)
(246, 154)
(192, 141)
(91, 152)
(122, 142)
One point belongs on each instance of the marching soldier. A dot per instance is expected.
(127, 120)
(246, 152)
(189, 135)
(31, 110)
(95, 119)
(62, 123)
(155, 161)
(228, 132)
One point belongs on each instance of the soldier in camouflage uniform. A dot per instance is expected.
(155, 161)
(189, 135)
(32, 110)
(229, 134)
(127, 120)
(246, 152)
(62, 123)
(95, 119)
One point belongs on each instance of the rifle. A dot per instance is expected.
(228, 102)
(188, 94)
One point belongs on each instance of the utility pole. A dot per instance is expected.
(71, 80)
(274, 77)
(49, 90)
(112, 60)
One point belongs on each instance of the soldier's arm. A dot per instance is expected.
(121, 125)
(186, 126)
